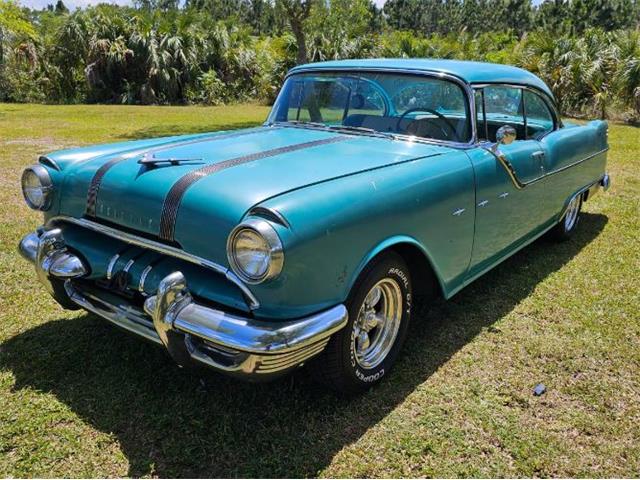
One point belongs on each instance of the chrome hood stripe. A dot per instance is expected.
(174, 197)
(94, 187)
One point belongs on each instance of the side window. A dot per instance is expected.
(539, 117)
(504, 106)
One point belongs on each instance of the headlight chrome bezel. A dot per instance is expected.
(46, 185)
(276, 252)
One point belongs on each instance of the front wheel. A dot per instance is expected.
(379, 307)
(567, 225)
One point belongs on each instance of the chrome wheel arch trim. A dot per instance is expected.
(136, 240)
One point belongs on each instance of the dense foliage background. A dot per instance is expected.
(218, 51)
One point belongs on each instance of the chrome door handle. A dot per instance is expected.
(539, 155)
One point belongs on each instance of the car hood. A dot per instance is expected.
(251, 166)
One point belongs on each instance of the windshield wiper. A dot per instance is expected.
(342, 128)
(365, 130)
(150, 159)
(301, 123)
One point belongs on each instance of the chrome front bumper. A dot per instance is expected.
(191, 332)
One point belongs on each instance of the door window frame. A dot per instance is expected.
(478, 89)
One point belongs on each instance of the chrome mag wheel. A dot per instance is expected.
(377, 324)
(571, 216)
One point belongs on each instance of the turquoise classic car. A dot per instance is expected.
(306, 240)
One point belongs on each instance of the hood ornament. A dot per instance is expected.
(151, 159)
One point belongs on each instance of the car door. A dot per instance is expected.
(506, 215)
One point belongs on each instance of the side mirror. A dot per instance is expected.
(505, 135)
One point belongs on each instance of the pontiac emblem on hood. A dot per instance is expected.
(119, 215)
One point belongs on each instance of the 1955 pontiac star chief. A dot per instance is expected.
(305, 240)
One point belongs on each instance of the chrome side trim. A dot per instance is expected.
(160, 248)
(519, 184)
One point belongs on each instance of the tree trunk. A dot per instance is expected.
(1, 46)
(297, 12)
(301, 41)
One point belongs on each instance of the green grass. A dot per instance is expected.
(79, 398)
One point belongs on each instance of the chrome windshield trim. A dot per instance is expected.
(466, 87)
(132, 239)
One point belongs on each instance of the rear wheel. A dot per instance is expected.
(379, 307)
(569, 222)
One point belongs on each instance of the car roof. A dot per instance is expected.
(470, 72)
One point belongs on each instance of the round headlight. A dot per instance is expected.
(37, 187)
(255, 251)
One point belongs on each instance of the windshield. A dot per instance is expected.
(385, 103)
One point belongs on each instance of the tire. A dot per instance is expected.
(60, 295)
(347, 365)
(568, 224)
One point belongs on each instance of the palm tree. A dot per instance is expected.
(628, 76)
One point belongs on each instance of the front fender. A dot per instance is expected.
(335, 228)
(395, 241)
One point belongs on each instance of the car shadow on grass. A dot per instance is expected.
(171, 422)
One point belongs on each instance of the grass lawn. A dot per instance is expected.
(80, 398)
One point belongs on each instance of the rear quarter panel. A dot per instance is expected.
(575, 157)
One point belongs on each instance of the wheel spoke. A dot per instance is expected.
(363, 341)
(373, 297)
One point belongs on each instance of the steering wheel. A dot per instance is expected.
(437, 114)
